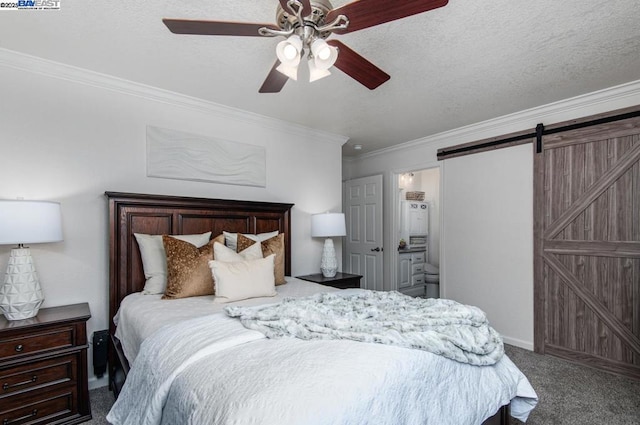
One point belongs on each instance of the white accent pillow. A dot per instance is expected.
(241, 280)
(228, 255)
(231, 239)
(154, 258)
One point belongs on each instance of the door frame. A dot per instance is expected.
(392, 230)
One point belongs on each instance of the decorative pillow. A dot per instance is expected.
(228, 255)
(188, 273)
(274, 245)
(230, 239)
(243, 279)
(154, 259)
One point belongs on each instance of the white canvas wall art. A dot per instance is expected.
(174, 154)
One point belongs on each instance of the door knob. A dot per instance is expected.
(376, 249)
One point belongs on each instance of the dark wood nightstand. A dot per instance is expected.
(340, 280)
(43, 367)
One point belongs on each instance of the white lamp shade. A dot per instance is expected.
(24, 222)
(328, 225)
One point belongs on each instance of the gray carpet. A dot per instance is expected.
(569, 394)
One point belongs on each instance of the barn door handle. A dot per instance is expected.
(376, 249)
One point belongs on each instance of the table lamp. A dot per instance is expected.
(25, 222)
(328, 225)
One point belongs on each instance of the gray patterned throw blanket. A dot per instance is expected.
(444, 327)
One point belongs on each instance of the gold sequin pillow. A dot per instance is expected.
(188, 272)
(274, 245)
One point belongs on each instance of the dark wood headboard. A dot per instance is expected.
(131, 213)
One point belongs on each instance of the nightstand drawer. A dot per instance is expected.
(55, 339)
(49, 407)
(39, 374)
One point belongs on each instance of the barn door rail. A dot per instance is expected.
(520, 138)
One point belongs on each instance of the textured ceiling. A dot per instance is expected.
(464, 63)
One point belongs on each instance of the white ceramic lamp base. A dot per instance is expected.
(20, 294)
(329, 262)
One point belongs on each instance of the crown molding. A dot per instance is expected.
(36, 65)
(627, 94)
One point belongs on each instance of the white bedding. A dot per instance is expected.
(201, 368)
(141, 315)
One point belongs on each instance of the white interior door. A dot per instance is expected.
(363, 212)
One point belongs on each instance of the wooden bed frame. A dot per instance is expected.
(131, 213)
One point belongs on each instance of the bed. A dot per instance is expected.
(155, 215)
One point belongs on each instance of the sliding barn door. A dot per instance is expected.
(587, 246)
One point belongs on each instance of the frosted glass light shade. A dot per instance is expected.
(288, 51)
(328, 225)
(324, 56)
(289, 71)
(24, 222)
(316, 73)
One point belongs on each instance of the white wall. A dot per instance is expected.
(488, 228)
(68, 141)
(486, 214)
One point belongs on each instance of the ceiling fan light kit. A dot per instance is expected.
(306, 24)
(289, 51)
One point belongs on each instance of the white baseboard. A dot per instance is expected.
(527, 345)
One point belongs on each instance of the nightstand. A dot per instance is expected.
(43, 367)
(340, 280)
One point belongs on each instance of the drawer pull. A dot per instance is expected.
(33, 413)
(6, 386)
(19, 348)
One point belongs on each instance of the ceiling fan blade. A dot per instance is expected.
(306, 7)
(368, 13)
(275, 81)
(186, 26)
(357, 67)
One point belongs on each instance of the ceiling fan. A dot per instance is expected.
(306, 24)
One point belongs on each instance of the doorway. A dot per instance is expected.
(416, 232)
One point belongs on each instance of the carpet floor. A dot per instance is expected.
(569, 394)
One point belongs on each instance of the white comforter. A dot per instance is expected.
(213, 370)
(141, 315)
